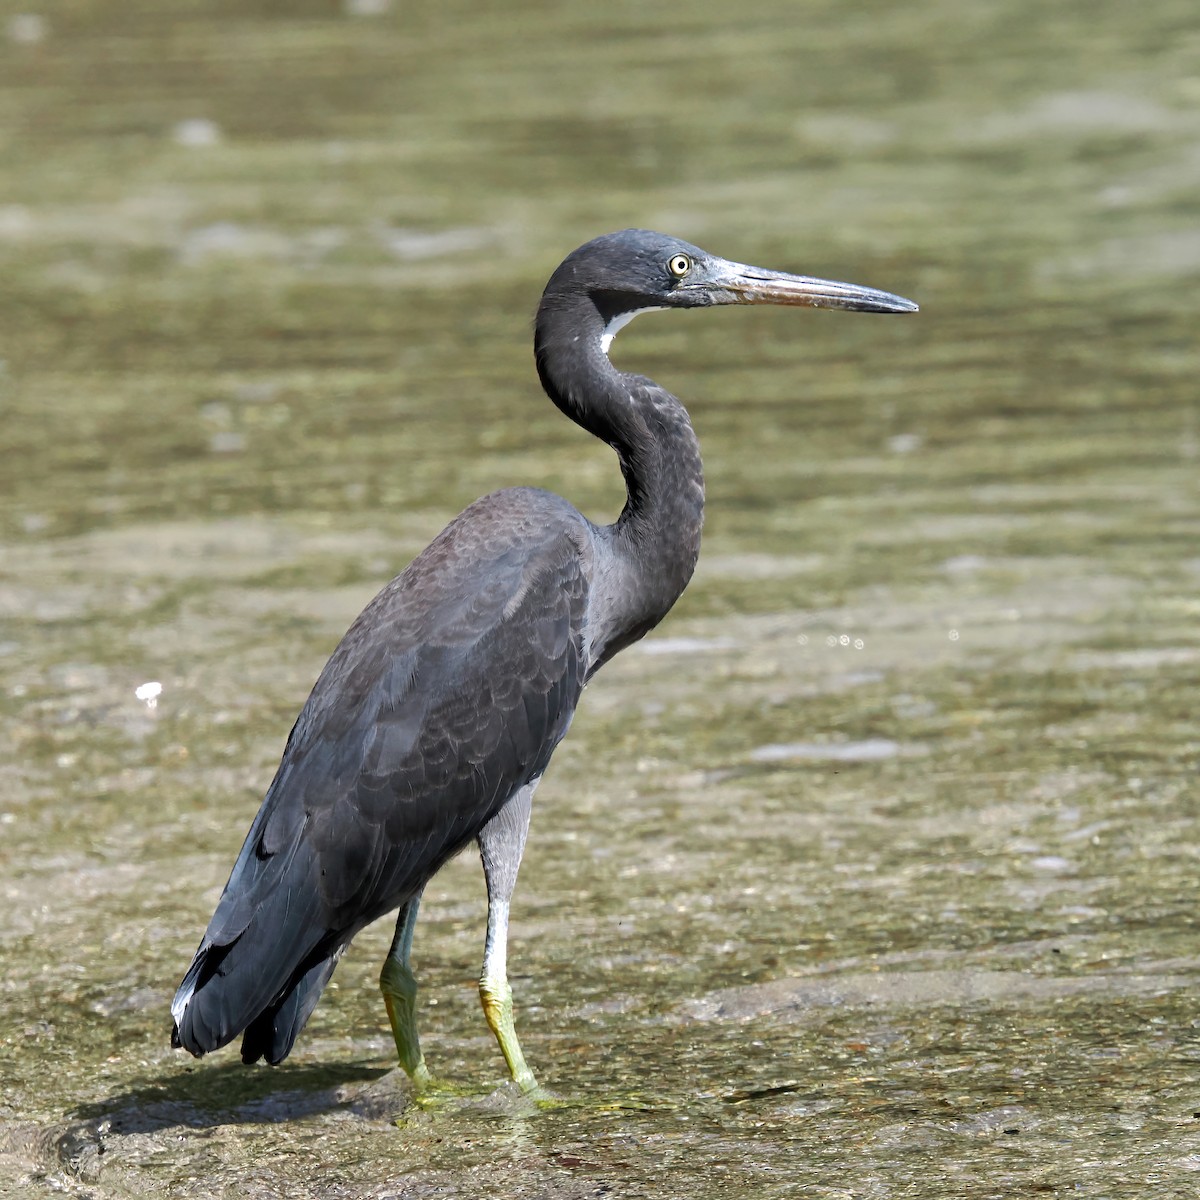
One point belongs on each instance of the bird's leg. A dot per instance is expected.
(501, 844)
(399, 987)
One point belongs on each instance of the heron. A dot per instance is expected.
(435, 718)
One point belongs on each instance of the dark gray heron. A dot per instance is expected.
(432, 723)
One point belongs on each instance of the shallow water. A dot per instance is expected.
(871, 874)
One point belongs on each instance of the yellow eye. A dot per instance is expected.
(679, 265)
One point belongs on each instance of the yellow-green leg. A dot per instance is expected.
(399, 987)
(496, 994)
(501, 844)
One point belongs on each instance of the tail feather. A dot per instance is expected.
(230, 987)
(271, 1034)
(202, 1023)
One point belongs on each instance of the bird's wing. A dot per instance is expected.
(448, 693)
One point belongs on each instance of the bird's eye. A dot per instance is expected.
(679, 265)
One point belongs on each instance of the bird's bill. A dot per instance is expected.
(753, 285)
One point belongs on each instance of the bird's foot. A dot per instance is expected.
(440, 1098)
(421, 1078)
(513, 1099)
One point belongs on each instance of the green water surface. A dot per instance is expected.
(872, 873)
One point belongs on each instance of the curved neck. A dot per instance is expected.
(656, 539)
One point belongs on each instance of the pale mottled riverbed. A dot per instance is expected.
(872, 874)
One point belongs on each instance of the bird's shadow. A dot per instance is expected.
(228, 1093)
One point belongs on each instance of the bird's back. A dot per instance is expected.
(447, 695)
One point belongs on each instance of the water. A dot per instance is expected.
(265, 327)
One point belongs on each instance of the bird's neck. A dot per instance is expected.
(656, 539)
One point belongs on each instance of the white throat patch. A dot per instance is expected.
(618, 323)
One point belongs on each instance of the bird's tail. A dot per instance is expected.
(271, 1034)
(264, 987)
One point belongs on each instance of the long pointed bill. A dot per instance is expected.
(753, 285)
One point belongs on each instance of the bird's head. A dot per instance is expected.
(635, 270)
